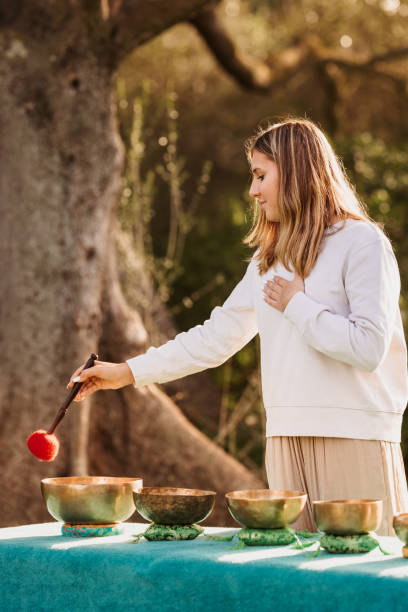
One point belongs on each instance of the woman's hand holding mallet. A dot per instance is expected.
(103, 375)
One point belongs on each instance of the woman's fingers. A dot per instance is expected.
(79, 370)
(271, 291)
(104, 374)
(89, 373)
(94, 372)
(87, 389)
(74, 375)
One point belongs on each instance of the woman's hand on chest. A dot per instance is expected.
(278, 292)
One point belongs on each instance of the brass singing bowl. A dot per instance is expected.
(90, 499)
(400, 524)
(174, 506)
(347, 516)
(266, 508)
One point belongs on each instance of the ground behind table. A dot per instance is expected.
(41, 570)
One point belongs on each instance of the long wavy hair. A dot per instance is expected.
(313, 189)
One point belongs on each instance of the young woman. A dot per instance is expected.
(322, 290)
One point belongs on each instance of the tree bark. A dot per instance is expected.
(60, 175)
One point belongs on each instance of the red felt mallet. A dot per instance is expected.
(44, 444)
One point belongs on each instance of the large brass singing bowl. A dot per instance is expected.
(266, 508)
(400, 524)
(348, 516)
(174, 506)
(90, 499)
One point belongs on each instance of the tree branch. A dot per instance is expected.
(347, 59)
(134, 22)
(366, 65)
(249, 72)
(257, 75)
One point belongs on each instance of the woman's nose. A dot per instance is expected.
(253, 192)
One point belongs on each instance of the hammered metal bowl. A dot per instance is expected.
(266, 508)
(90, 499)
(174, 506)
(348, 516)
(400, 524)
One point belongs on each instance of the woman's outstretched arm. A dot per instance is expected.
(229, 328)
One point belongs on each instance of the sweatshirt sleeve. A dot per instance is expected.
(208, 345)
(362, 339)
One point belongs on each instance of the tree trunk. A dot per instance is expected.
(61, 162)
(197, 396)
(60, 174)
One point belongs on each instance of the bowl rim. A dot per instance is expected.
(346, 502)
(173, 492)
(242, 495)
(400, 515)
(112, 480)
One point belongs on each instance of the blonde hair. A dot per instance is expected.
(313, 188)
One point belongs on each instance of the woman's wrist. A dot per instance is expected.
(126, 374)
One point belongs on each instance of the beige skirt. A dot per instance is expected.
(339, 468)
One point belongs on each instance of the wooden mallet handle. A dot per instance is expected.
(62, 411)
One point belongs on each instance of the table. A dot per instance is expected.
(41, 570)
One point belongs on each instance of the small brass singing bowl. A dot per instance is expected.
(90, 499)
(400, 524)
(174, 506)
(266, 508)
(347, 516)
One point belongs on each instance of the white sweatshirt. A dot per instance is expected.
(334, 363)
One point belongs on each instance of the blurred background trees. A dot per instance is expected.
(184, 121)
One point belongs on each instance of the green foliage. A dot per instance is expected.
(136, 209)
(380, 172)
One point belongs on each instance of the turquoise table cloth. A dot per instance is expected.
(41, 570)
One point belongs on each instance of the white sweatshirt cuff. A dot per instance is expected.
(142, 370)
(302, 308)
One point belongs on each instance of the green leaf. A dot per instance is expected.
(315, 553)
(220, 538)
